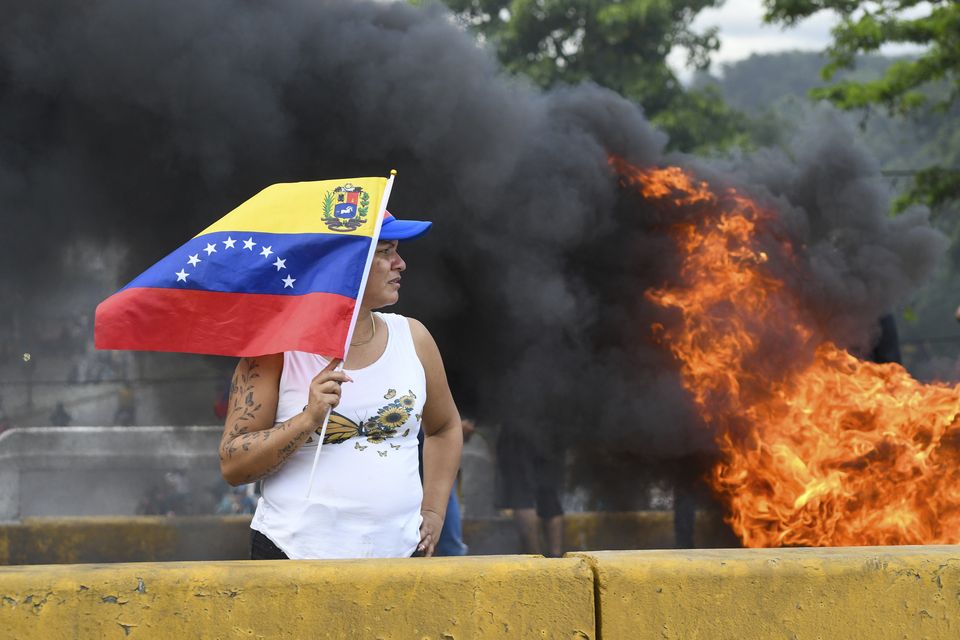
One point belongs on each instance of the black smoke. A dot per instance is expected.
(859, 262)
(143, 122)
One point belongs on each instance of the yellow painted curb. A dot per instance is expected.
(873, 593)
(446, 598)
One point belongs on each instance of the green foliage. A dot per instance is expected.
(931, 186)
(699, 120)
(904, 89)
(622, 45)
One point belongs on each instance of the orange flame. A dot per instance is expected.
(835, 451)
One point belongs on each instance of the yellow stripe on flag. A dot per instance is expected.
(335, 207)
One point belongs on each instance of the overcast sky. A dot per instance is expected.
(743, 32)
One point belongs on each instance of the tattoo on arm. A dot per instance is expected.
(285, 451)
(246, 441)
(245, 405)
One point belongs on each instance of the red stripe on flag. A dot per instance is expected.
(226, 324)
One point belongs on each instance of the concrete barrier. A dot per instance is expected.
(872, 593)
(448, 598)
(88, 471)
(162, 539)
(124, 539)
(875, 593)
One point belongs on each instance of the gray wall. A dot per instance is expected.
(83, 471)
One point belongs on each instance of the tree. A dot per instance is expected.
(622, 45)
(906, 86)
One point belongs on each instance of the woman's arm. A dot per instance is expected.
(443, 439)
(252, 446)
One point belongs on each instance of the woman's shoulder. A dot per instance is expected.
(425, 344)
(416, 327)
(418, 331)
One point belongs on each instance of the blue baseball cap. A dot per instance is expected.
(393, 229)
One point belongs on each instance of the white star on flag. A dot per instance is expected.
(181, 275)
(280, 264)
(194, 259)
(211, 248)
(288, 282)
(229, 242)
(266, 251)
(249, 244)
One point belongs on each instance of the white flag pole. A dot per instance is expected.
(378, 222)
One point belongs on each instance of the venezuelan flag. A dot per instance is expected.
(281, 272)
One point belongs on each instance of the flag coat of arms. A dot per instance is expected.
(284, 271)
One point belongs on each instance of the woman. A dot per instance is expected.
(367, 499)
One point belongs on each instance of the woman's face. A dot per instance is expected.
(383, 282)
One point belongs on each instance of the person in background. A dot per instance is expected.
(126, 414)
(237, 500)
(222, 402)
(60, 417)
(170, 497)
(451, 537)
(529, 479)
(887, 348)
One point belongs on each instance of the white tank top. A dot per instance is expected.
(367, 494)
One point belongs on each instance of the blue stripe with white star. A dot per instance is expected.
(271, 263)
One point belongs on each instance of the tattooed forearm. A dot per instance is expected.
(244, 405)
(286, 450)
(254, 444)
